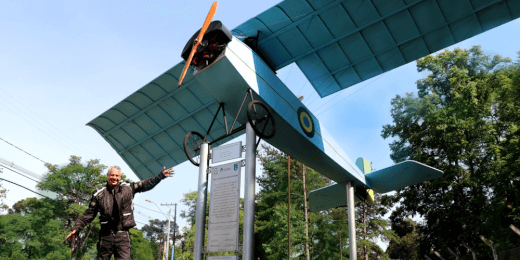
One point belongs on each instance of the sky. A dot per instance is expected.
(63, 63)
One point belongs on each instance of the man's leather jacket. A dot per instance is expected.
(101, 203)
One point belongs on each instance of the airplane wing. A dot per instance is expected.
(147, 128)
(392, 178)
(401, 175)
(340, 43)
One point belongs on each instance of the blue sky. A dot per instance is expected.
(63, 63)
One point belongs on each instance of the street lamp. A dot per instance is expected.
(158, 208)
(167, 241)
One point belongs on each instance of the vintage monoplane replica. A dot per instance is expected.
(233, 81)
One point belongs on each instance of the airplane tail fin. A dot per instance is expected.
(401, 175)
(366, 167)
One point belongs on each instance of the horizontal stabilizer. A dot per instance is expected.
(333, 196)
(401, 175)
(395, 177)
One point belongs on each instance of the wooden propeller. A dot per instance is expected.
(198, 40)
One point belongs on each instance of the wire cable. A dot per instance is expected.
(43, 120)
(23, 151)
(74, 193)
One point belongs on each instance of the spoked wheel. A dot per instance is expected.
(192, 142)
(261, 119)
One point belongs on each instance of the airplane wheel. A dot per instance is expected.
(261, 119)
(192, 142)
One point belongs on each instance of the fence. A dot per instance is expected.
(510, 254)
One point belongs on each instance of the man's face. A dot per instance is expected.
(114, 176)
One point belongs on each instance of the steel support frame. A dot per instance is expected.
(351, 220)
(202, 192)
(231, 131)
(249, 195)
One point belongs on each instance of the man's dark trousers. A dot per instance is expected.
(117, 244)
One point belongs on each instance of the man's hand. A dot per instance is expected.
(71, 234)
(167, 172)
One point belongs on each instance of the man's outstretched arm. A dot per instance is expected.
(151, 182)
(87, 217)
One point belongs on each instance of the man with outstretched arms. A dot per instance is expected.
(114, 203)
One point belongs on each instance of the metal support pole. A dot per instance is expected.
(438, 255)
(174, 231)
(249, 195)
(454, 254)
(471, 250)
(490, 244)
(512, 227)
(289, 205)
(167, 243)
(200, 213)
(351, 220)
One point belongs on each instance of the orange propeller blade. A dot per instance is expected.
(197, 41)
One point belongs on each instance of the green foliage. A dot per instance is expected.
(406, 245)
(370, 226)
(155, 233)
(464, 122)
(276, 247)
(328, 230)
(32, 231)
(74, 183)
(3, 193)
(141, 248)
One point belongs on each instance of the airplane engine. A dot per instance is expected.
(214, 42)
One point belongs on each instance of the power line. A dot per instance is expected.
(74, 193)
(42, 120)
(35, 126)
(148, 208)
(27, 153)
(23, 151)
(11, 164)
(48, 197)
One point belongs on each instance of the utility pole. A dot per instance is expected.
(174, 231)
(167, 242)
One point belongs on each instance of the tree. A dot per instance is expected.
(75, 183)
(3, 193)
(370, 225)
(462, 122)
(34, 228)
(141, 248)
(325, 229)
(155, 232)
(406, 245)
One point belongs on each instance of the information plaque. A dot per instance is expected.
(226, 152)
(224, 208)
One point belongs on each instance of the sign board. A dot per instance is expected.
(226, 152)
(224, 208)
(223, 257)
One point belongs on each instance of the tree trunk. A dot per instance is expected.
(306, 218)
(73, 249)
(365, 231)
(86, 237)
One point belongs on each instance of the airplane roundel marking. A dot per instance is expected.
(306, 122)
